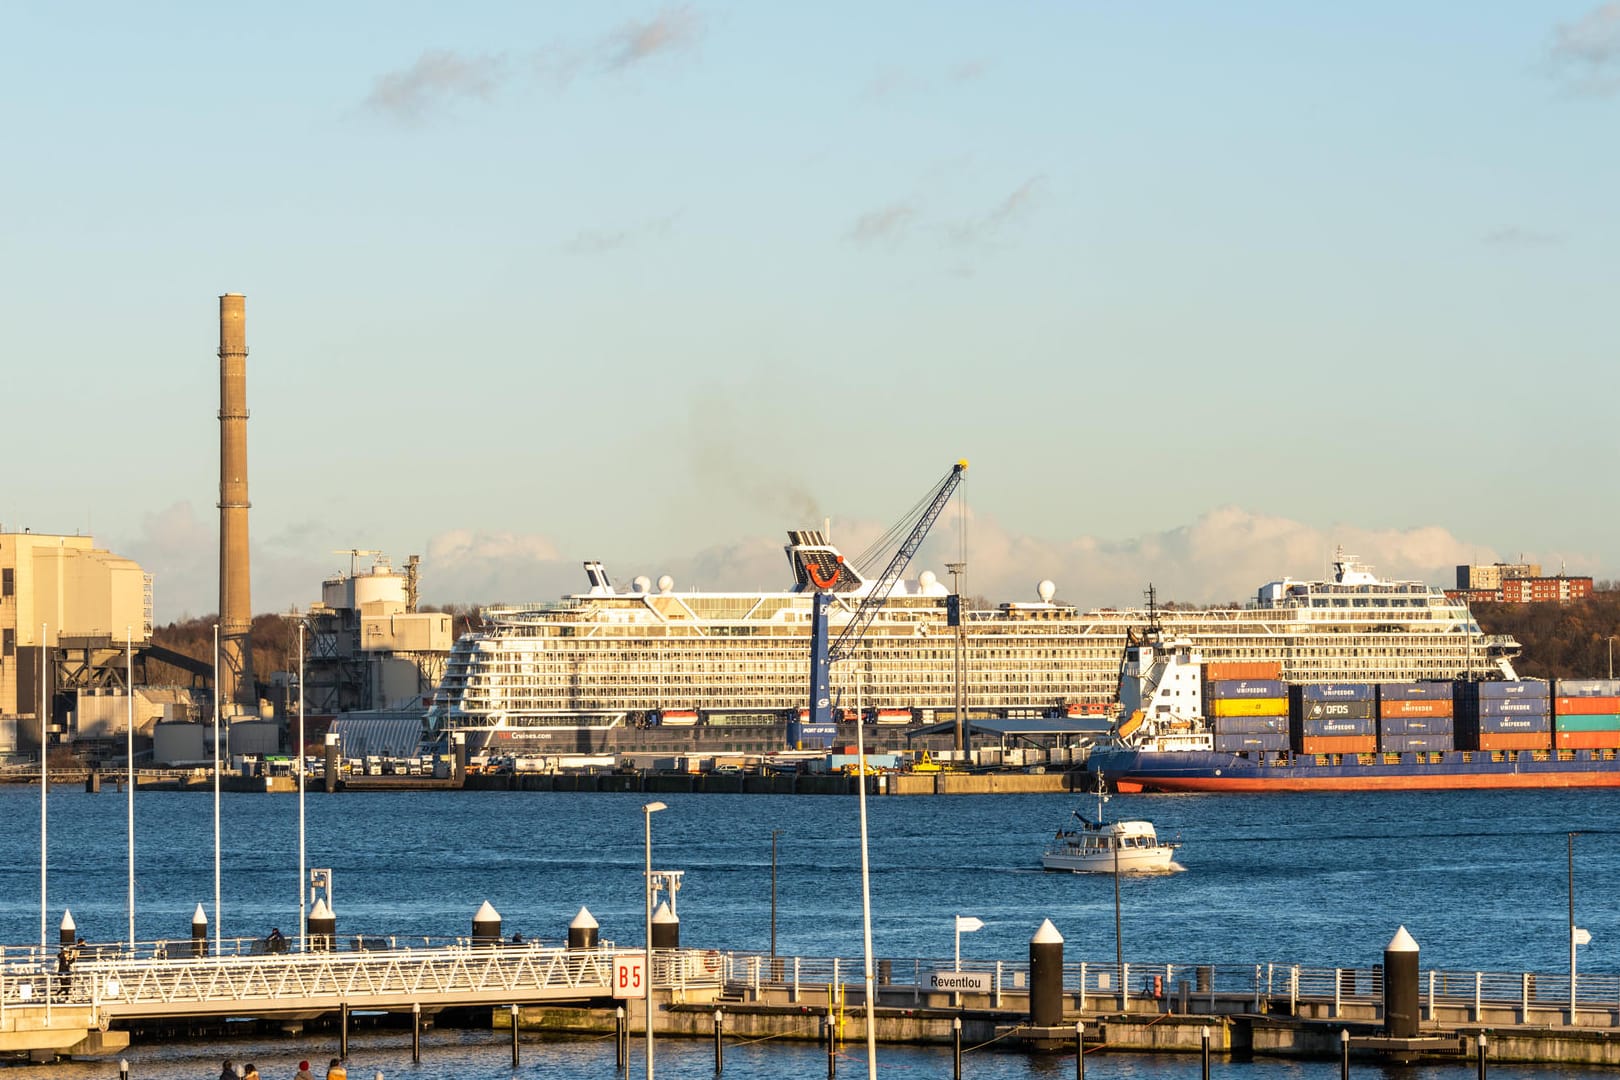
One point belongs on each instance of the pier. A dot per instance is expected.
(1270, 1009)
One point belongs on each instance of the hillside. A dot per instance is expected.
(1560, 640)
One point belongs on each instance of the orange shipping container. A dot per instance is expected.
(1586, 706)
(1421, 707)
(1247, 669)
(1588, 740)
(1517, 740)
(1338, 744)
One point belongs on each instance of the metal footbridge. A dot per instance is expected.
(42, 1010)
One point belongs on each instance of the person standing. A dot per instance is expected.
(228, 1071)
(251, 1072)
(336, 1071)
(303, 1072)
(64, 972)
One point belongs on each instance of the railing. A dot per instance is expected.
(1249, 986)
(118, 985)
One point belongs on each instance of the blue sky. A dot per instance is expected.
(1200, 291)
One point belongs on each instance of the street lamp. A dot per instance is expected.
(648, 810)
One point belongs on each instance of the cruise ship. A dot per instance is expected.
(647, 656)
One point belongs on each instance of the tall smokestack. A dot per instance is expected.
(236, 685)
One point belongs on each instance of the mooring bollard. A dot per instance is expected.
(666, 928)
(1046, 976)
(956, 1044)
(1079, 1050)
(486, 925)
(416, 1033)
(123, 1069)
(199, 932)
(343, 1030)
(1344, 1054)
(67, 933)
(514, 1035)
(583, 931)
(832, 1048)
(619, 1048)
(1205, 1054)
(1401, 983)
(719, 1058)
(1482, 1052)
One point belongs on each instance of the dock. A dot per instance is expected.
(1276, 1010)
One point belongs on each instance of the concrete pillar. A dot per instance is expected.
(582, 931)
(486, 926)
(666, 928)
(69, 932)
(1401, 985)
(1046, 976)
(334, 761)
(322, 927)
(199, 932)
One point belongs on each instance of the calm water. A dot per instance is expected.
(1478, 878)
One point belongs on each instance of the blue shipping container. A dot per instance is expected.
(1514, 706)
(1587, 688)
(1245, 688)
(1525, 688)
(1316, 710)
(1415, 725)
(1414, 691)
(1235, 744)
(1338, 725)
(1506, 725)
(1337, 692)
(1249, 725)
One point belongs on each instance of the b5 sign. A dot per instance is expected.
(630, 975)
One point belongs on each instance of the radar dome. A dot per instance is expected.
(666, 584)
(1046, 590)
(642, 583)
(927, 579)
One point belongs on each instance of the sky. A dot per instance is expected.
(1201, 292)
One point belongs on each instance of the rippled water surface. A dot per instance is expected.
(1480, 879)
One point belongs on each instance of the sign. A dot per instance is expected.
(1582, 936)
(630, 975)
(974, 982)
(966, 924)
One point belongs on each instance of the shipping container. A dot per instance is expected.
(1249, 725)
(1339, 744)
(1606, 722)
(1510, 741)
(1240, 744)
(1248, 669)
(1249, 706)
(1414, 691)
(1415, 725)
(1587, 740)
(1523, 688)
(1503, 724)
(1307, 727)
(1587, 687)
(1514, 707)
(1405, 744)
(1305, 707)
(1409, 709)
(1245, 688)
(1585, 706)
(1336, 692)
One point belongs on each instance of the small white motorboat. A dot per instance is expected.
(1099, 847)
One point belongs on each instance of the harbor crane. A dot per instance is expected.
(822, 654)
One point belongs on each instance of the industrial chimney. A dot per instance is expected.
(236, 685)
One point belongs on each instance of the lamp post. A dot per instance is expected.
(774, 834)
(129, 767)
(44, 780)
(218, 941)
(648, 810)
(303, 922)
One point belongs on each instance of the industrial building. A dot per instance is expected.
(68, 610)
(369, 649)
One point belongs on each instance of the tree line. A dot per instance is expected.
(1561, 641)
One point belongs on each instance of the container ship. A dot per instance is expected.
(1186, 725)
(610, 660)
